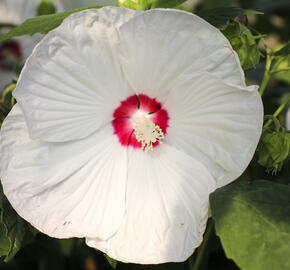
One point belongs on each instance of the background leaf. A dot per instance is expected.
(274, 150)
(149, 4)
(111, 261)
(14, 231)
(46, 7)
(166, 3)
(281, 69)
(285, 51)
(220, 16)
(134, 4)
(7, 98)
(41, 24)
(253, 223)
(243, 42)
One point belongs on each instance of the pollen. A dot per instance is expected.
(146, 132)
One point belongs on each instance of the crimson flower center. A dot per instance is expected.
(140, 122)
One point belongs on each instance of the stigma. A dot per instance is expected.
(145, 131)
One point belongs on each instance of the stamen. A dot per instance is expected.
(146, 131)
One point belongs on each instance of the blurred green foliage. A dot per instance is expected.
(41, 24)
(274, 146)
(14, 231)
(253, 222)
(149, 4)
(46, 7)
(220, 17)
(281, 68)
(244, 43)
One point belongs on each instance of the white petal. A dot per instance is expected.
(72, 82)
(166, 208)
(71, 189)
(215, 123)
(161, 44)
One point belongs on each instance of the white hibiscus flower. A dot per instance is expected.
(94, 97)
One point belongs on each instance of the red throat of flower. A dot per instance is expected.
(10, 52)
(140, 122)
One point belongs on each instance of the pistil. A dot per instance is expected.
(146, 132)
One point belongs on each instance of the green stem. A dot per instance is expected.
(259, 36)
(277, 112)
(267, 74)
(9, 89)
(202, 248)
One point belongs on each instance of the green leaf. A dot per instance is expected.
(274, 149)
(14, 231)
(166, 3)
(253, 223)
(208, 4)
(46, 7)
(41, 24)
(281, 69)
(220, 16)
(285, 51)
(3, 113)
(7, 99)
(243, 42)
(149, 4)
(135, 4)
(111, 261)
(66, 246)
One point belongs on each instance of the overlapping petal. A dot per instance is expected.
(166, 208)
(73, 81)
(162, 44)
(72, 189)
(216, 123)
